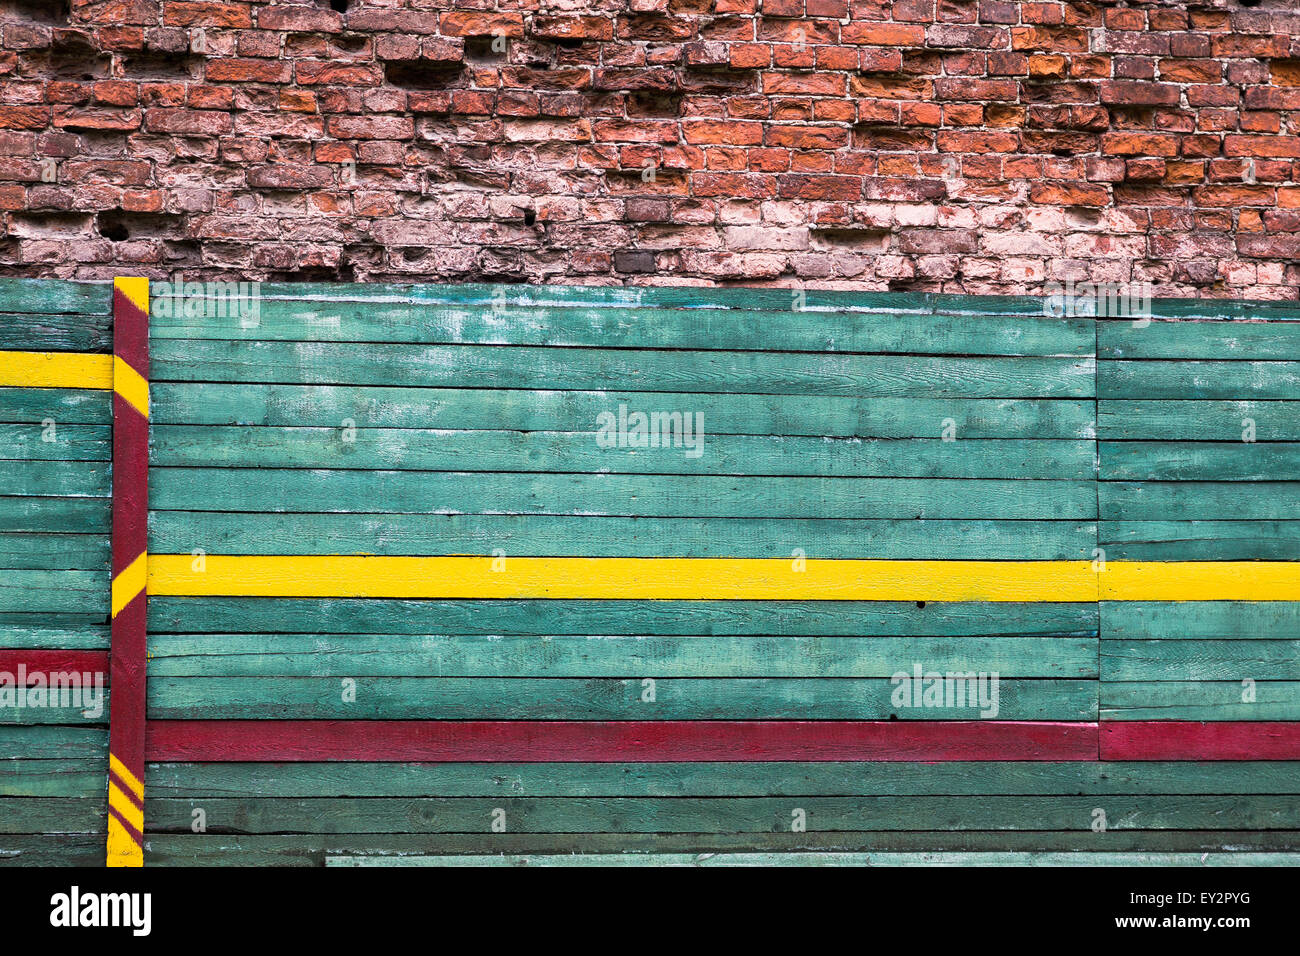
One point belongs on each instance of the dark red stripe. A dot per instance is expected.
(1189, 740)
(530, 741)
(136, 835)
(48, 661)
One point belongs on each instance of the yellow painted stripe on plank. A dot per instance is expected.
(625, 578)
(55, 370)
(131, 385)
(135, 289)
(120, 802)
(1201, 581)
(126, 776)
(122, 848)
(130, 582)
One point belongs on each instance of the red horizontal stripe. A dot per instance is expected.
(1189, 740)
(49, 661)
(608, 741)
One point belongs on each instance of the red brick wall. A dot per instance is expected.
(957, 145)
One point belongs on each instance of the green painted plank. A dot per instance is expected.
(60, 619)
(77, 479)
(214, 849)
(89, 637)
(737, 413)
(51, 778)
(505, 366)
(183, 532)
(89, 744)
(604, 327)
(829, 618)
(830, 859)
(36, 592)
(758, 779)
(37, 296)
(57, 515)
(1201, 540)
(66, 332)
(37, 442)
(52, 850)
(294, 490)
(1153, 660)
(696, 454)
(54, 814)
(52, 552)
(495, 698)
(1199, 340)
(66, 406)
(1198, 500)
(319, 655)
(1200, 620)
(1198, 420)
(1199, 461)
(1199, 700)
(737, 815)
(1185, 379)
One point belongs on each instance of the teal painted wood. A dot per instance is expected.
(89, 637)
(67, 406)
(39, 592)
(829, 618)
(54, 815)
(1209, 660)
(1200, 461)
(603, 327)
(51, 778)
(40, 442)
(55, 515)
(1198, 501)
(1184, 379)
(703, 815)
(52, 850)
(89, 744)
(1252, 341)
(337, 491)
(262, 655)
(1200, 620)
(505, 698)
(34, 332)
(79, 479)
(493, 366)
(1201, 540)
(1198, 420)
(542, 410)
(1199, 700)
(582, 452)
(51, 552)
(759, 779)
(39, 296)
(830, 859)
(29, 718)
(183, 532)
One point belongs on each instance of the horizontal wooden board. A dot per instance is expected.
(66, 406)
(55, 515)
(1200, 620)
(88, 744)
(41, 442)
(38, 296)
(61, 479)
(37, 592)
(829, 858)
(1188, 379)
(1208, 660)
(172, 532)
(54, 332)
(1171, 699)
(396, 655)
(53, 814)
(1198, 501)
(1200, 461)
(705, 496)
(1175, 420)
(1201, 540)
(525, 699)
(829, 618)
(54, 551)
(1251, 341)
(507, 366)
(1189, 740)
(695, 453)
(52, 778)
(90, 637)
(732, 413)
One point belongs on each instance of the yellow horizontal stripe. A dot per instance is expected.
(1201, 581)
(130, 582)
(753, 579)
(120, 802)
(122, 848)
(632, 578)
(131, 385)
(55, 370)
(135, 289)
(126, 775)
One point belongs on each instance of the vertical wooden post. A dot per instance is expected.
(130, 572)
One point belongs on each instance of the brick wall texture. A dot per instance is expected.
(946, 145)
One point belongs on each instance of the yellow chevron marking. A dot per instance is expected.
(122, 848)
(131, 385)
(135, 289)
(130, 582)
(126, 776)
(120, 802)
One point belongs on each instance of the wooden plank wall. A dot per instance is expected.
(55, 454)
